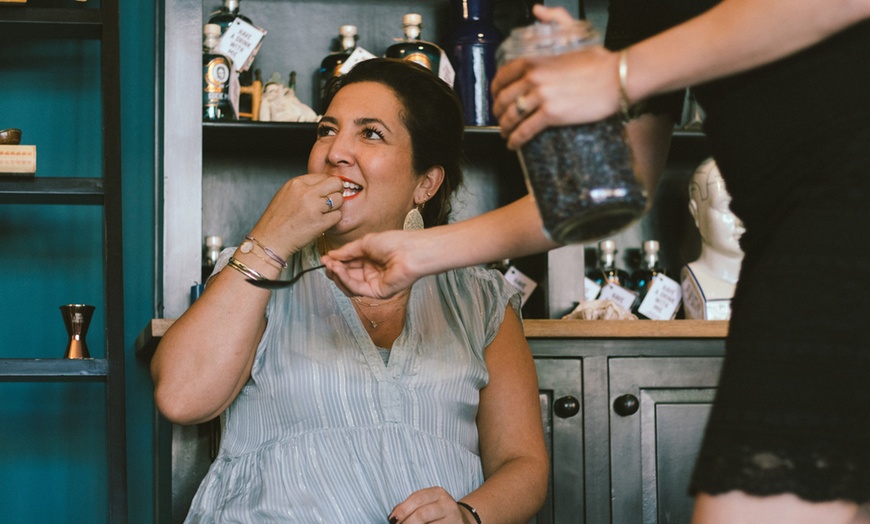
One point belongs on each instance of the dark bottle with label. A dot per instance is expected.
(216, 71)
(471, 48)
(606, 271)
(643, 277)
(223, 17)
(412, 48)
(329, 66)
(227, 13)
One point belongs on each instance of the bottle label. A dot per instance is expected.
(590, 289)
(358, 55)
(662, 299)
(618, 295)
(240, 43)
(523, 283)
(217, 77)
(419, 58)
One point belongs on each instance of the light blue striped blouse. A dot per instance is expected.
(325, 431)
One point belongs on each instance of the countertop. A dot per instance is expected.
(148, 339)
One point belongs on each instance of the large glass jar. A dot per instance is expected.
(581, 176)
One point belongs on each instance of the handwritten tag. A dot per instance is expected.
(524, 284)
(618, 295)
(662, 299)
(240, 43)
(358, 55)
(591, 289)
(718, 309)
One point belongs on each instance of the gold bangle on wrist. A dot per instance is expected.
(253, 274)
(624, 102)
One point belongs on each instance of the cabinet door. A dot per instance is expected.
(560, 382)
(659, 407)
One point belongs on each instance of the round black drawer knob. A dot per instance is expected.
(566, 407)
(626, 405)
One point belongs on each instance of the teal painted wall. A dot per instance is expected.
(52, 435)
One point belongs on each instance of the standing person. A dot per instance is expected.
(783, 89)
(420, 408)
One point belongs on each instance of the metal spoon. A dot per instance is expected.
(279, 284)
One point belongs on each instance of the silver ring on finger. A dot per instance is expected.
(520, 102)
(329, 203)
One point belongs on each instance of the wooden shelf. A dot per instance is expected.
(51, 190)
(53, 370)
(146, 342)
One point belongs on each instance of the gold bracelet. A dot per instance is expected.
(271, 254)
(253, 274)
(247, 248)
(624, 102)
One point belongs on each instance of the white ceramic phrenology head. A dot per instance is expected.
(709, 204)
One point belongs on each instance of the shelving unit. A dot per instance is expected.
(91, 21)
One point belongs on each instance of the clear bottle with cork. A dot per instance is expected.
(330, 65)
(642, 278)
(216, 76)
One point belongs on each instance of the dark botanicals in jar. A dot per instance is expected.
(582, 176)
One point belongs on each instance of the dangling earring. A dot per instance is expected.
(413, 220)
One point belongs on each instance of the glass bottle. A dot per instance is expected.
(643, 277)
(212, 247)
(582, 176)
(412, 48)
(471, 48)
(329, 66)
(223, 17)
(606, 271)
(227, 13)
(216, 73)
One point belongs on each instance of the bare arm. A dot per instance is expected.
(205, 358)
(734, 36)
(515, 462)
(382, 264)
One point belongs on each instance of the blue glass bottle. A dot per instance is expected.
(471, 48)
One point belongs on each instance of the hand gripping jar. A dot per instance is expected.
(581, 176)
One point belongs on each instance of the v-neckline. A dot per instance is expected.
(381, 369)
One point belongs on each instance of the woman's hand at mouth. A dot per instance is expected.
(301, 210)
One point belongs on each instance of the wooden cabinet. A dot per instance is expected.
(644, 391)
(25, 28)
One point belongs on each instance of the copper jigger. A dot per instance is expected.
(77, 318)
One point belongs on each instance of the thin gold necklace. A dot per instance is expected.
(359, 300)
(377, 323)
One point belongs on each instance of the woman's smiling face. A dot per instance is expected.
(363, 140)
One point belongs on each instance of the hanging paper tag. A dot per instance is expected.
(240, 43)
(662, 299)
(718, 309)
(591, 289)
(618, 295)
(520, 281)
(358, 55)
(445, 69)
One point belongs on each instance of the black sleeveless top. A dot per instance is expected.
(792, 140)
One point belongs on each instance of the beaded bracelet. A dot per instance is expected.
(274, 256)
(470, 510)
(245, 270)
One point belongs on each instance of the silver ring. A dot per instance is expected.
(521, 105)
(329, 203)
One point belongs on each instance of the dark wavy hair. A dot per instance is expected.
(433, 115)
